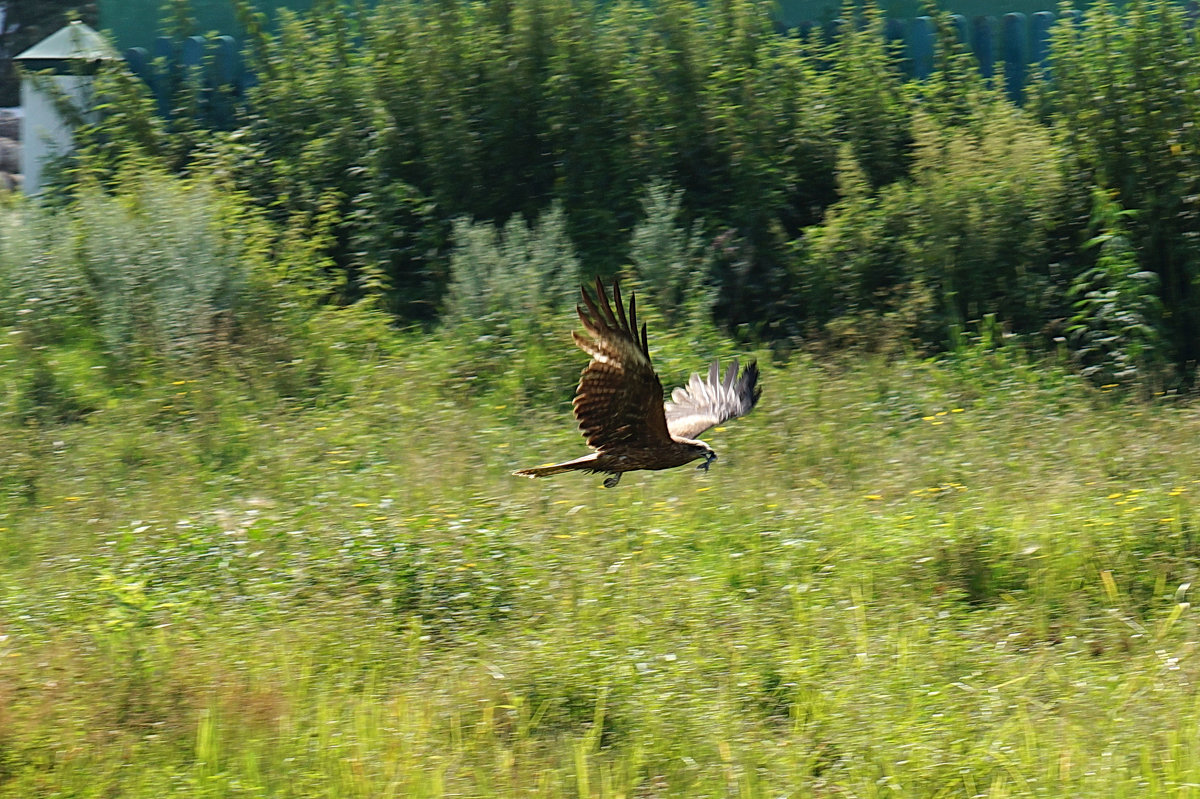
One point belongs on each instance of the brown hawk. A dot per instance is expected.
(619, 402)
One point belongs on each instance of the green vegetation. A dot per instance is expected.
(906, 579)
(277, 550)
(262, 389)
(825, 197)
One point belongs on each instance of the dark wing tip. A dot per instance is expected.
(750, 378)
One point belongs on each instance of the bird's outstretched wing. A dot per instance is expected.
(705, 403)
(619, 401)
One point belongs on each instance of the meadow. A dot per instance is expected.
(906, 577)
(265, 374)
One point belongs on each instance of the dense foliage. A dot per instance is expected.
(825, 198)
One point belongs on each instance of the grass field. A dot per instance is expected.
(900, 579)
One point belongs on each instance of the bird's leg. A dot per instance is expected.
(612, 481)
(708, 459)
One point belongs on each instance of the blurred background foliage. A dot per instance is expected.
(803, 192)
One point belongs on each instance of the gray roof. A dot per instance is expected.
(75, 42)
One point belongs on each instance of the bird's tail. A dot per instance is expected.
(559, 468)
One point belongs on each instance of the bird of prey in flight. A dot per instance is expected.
(619, 402)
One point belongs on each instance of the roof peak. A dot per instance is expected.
(72, 42)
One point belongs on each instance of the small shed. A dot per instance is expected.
(61, 66)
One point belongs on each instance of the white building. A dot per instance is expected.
(57, 70)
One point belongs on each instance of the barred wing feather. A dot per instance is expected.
(704, 403)
(619, 399)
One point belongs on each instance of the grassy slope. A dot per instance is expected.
(898, 580)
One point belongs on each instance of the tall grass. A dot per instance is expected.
(913, 579)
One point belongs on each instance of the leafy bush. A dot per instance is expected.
(856, 261)
(1124, 99)
(1116, 332)
(511, 281)
(830, 186)
(95, 291)
(967, 236)
(672, 262)
(508, 296)
(164, 267)
(873, 107)
(154, 270)
(985, 203)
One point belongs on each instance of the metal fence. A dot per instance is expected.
(207, 73)
(1008, 48)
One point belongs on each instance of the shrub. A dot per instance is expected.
(857, 260)
(164, 273)
(1116, 330)
(872, 101)
(1124, 99)
(511, 281)
(506, 303)
(967, 236)
(672, 262)
(153, 270)
(985, 204)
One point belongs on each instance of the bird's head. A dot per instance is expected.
(706, 452)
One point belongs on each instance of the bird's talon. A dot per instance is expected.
(612, 481)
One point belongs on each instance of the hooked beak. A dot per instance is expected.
(709, 457)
